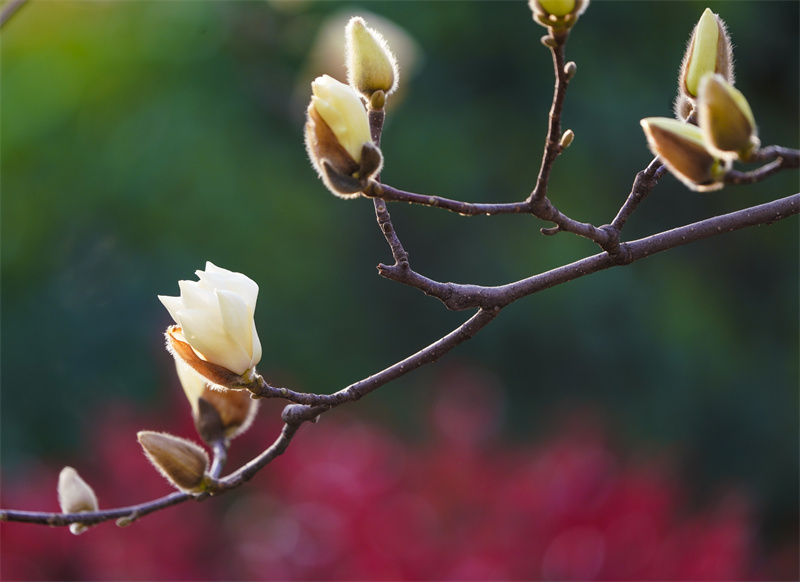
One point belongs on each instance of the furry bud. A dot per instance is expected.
(338, 138)
(75, 496)
(682, 149)
(371, 66)
(725, 118)
(709, 51)
(181, 462)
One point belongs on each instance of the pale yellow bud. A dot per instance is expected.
(75, 496)
(371, 66)
(343, 111)
(725, 118)
(709, 51)
(338, 138)
(182, 462)
(557, 14)
(682, 149)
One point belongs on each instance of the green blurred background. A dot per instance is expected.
(140, 139)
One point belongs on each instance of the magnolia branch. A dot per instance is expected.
(488, 300)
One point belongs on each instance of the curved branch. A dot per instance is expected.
(456, 296)
(359, 389)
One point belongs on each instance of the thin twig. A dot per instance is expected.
(645, 181)
(553, 141)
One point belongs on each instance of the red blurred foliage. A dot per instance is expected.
(350, 501)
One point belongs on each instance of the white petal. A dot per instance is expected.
(203, 331)
(195, 297)
(237, 319)
(173, 305)
(217, 278)
(256, 348)
(193, 384)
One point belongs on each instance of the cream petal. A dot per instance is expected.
(217, 278)
(237, 319)
(195, 297)
(203, 331)
(193, 384)
(173, 305)
(256, 350)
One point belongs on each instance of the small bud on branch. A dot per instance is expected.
(75, 496)
(182, 462)
(709, 51)
(371, 66)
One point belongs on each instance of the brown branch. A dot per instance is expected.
(553, 148)
(456, 296)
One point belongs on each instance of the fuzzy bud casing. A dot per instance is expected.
(182, 462)
(218, 414)
(75, 496)
(682, 149)
(371, 66)
(725, 118)
(709, 51)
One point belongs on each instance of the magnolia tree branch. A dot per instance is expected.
(487, 300)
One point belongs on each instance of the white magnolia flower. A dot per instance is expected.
(216, 317)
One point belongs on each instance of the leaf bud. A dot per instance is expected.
(218, 414)
(709, 51)
(371, 66)
(75, 496)
(570, 69)
(338, 138)
(725, 118)
(182, 462)
(557, 15)
(682, 149)
(566, 138)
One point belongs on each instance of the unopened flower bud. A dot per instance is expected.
(709, 51)
(75, 496)
(182, 462)
(566, 138)
(371, 66)
(216, 334)
(557, 14)
(338, 138)
(218, 414)
(682, 149)
(725, 118)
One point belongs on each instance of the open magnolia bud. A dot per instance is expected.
(725, 118)
(682, 149)
(709, 51)
(75, 496)
(557, 14)
(216, 334)
(338, 138)
(371, 66)
(219, 415)
(182, 462)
